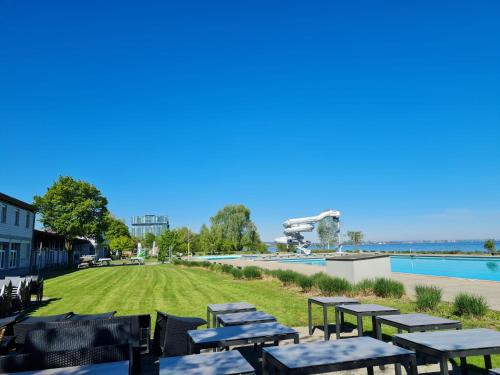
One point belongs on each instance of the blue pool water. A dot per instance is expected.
(463, 267)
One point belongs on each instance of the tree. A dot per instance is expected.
(328, 231)
(355, 237)
(148, 240)
(122, 243)
(210, 239)
(73, 208)
(169, 239)
(115, 228)
(490, 245)
(236, 229)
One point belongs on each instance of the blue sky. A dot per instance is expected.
(387, 112)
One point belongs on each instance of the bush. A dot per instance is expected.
(305, 282)
(334, 285)
(470, 304)
(237, 273)
(317, 277)
(364, 287)
(428, 297)
(388, 288)
(252, 272)
(287, 277)
(226, 268)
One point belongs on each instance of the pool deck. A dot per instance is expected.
(451, 286)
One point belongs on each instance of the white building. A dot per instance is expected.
(17, 221)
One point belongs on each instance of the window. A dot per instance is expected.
(4, 247)
(16, 222)
(28, 217)
(14, 249)
(3, 214)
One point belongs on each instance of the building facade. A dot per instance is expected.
(49, 250)
(17, 221)
(156, 224)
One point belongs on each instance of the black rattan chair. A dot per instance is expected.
(170, 336)
(33, 322)
(107, 315)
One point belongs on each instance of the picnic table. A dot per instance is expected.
(239, 335)
(215, 309)
(415, 323)
(360, 311)
(247, 317)
(219, 363)
(446, 345)
(338, 355)
(111, 368)
(326, 302)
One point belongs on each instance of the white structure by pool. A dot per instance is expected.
(357, 267)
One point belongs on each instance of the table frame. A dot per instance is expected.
(409, 361)
(443, 357)
(421, 328)
(194, 348)
(359, 316)
(243, 322)
(324, 305)
(228, 311)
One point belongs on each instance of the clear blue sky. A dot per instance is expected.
(386, 111)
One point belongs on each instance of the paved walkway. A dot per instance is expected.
(451, 286)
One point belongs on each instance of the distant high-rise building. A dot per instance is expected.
(156, 224)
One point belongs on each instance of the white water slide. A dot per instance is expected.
(294, 228)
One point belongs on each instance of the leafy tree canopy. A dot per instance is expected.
(355, 237)
(148, 240)
(235, 228)
(74, 209)
(115, 228)
(122, 243)
(490, 245)
(328, 231)
(169, 238)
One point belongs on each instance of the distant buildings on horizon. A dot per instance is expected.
(155, 224)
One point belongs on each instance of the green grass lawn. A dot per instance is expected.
(187, 291)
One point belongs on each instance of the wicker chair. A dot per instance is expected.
(76, 344)
(67, 358)
(32, 322)
(170, 336)
(107, 315)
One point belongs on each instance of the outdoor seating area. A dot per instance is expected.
(16, 294)
(240, 339)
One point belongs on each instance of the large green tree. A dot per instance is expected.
(210, 239)
(328, 231)
(237, 230)
(74, 209)
(169, 239)
(115, 228)
(122, 243)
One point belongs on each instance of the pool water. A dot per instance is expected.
(463, 267)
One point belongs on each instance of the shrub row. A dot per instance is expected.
(427, 297)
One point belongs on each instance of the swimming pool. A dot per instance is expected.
(481, 268)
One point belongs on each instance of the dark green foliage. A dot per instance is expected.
(384, 287)
(317, 277)
(237, 273)
(334, 285)
(226, 268)
(252, 272)
(470, 304)
(305, 283)
(427, 297)
(364, 287)
(287, 277)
